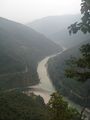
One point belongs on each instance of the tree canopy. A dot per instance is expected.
(60, 109)
(79, 68)
(84, 25)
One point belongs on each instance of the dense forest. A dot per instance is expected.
(16, 105)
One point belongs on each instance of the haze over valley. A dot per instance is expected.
(56, 29)
(44, 60)
(24, 48)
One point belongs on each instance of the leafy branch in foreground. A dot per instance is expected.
(79, 68)
(84, 25)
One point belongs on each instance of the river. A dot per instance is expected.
(45, 88)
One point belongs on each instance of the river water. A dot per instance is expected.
(45, 88)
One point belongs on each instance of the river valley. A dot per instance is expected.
(45, 88)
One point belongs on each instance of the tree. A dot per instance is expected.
(60, 109)
(79, 69)
(84, 25)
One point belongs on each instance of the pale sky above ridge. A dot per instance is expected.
(24, 11)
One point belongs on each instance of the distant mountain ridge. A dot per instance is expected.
(51, 24)
(55, 28)
(21, 48)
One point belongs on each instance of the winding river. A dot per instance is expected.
(45, 88)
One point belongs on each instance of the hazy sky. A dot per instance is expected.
(29, 10)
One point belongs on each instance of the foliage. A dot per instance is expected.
(15, 105)
(74, 90)
(79, 68)
(84, 25)
(60, 109)
(18, 106)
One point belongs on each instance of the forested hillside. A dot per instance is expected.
(74, 90)
(21, 48)
(18, 106)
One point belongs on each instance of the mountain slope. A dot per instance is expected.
(55, 28)
(52, 24)
(22, 48)
(68, 87)
(63, 38)
(17, 106)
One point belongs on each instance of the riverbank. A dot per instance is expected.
(45, 88)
